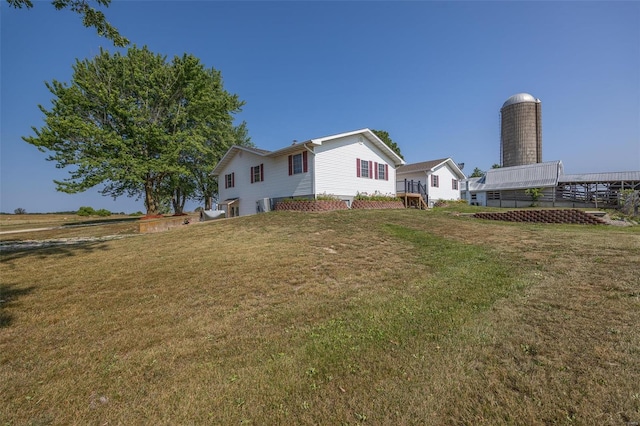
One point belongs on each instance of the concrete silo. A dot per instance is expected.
(520, 131)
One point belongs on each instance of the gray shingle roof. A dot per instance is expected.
(418, 167)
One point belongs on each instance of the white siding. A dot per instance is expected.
(277, 182)
(444, 191)
(336, 171)
(415, 177)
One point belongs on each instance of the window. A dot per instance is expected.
(435, 182)
(257, 173)
(229, 180)
(298, 163)
(454, 184)
(383, 172)
(364, 168)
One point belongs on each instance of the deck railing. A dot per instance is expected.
(412, 187)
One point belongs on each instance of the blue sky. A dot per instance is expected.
(432, 74)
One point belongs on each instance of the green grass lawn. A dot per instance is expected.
(350, 317)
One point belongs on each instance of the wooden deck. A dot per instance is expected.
(413, 200)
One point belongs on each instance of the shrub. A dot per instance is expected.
(535, 194)
(327, 197)
(103, 212)
(86, 211)
(376, 196)
(447, 203)
(295, 200)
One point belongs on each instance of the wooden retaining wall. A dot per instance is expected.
(543, 216)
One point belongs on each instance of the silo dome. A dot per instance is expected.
(519, 98)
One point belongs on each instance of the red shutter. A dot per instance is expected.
(357, 167)
(251, 168)
(261, 172)
(225, 181)
(370, 170)
(290, 165)
(233, 179)
(305, 167)
(386, 172)
(375, 169)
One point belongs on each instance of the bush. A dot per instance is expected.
(295, 199)
(450, 203)
(20, 210)
(103, 212)
(327, 197)
(86, 211)
(377, 196)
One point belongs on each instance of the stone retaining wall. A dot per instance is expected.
(311, 206)
(543, 216)
(329, 205)
(366, 204)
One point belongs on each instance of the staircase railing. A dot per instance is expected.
(412, 187)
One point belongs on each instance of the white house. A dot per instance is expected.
(434, 180)
(252, 180)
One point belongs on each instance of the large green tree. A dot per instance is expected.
(91, 17)
(477, 172)
(206, 185)
(196, 182)
(136, 122)
(384, 137)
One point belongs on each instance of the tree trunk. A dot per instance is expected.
(150, 201)
(178, 200)
(208, 203)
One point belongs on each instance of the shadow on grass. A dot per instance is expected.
(8, 294)
(50, 249)
(93, 222)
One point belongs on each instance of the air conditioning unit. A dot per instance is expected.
(263, 205)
